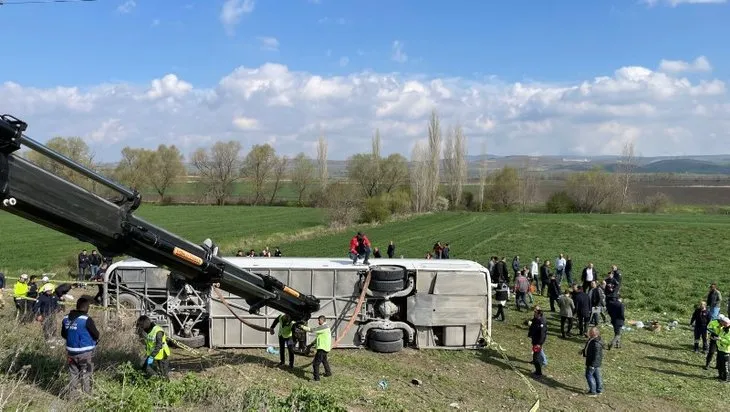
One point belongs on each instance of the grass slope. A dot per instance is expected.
(667, 263)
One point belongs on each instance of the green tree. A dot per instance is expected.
(218, 169)
(504, 191)
(76, 149)
(302, 175)
(130, 170)
(163, 167)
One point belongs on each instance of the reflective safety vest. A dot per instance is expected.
(323, 337)
(285, 329)
(20, 290)
(150, 343)
(723, 341)
(78, 338)
(714, 327)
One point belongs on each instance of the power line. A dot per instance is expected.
(11, 2)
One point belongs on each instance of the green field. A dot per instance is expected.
(667, 261)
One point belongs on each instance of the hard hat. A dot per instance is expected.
(723, 319)
(24, 277)
(45, 279)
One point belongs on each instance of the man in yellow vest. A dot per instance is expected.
(713, 329)
(20, 295)
(723, 349)
(157, 353)
(323, 346)
(286, 342)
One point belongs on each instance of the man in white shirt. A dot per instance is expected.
(560, 268)
(535, 271)
(588, 276)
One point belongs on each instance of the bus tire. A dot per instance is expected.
(385, 347)
(387, 273)
(387, 286)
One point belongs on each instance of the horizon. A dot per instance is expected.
(566, 79)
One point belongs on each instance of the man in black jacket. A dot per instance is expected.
(569, 270)
(615, 310)
(700, 319)
(83, 265)
(593, 352)
(391, 250)
(545, 276)
(500, 271)
(582, 310)
(45, 309)
(538, 334)
(553, 288)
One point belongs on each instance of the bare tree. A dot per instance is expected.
(455, 164)
(483, 165)
(279, 174)
(527, 185)
(302, 175)
(376, 152)
(420, 186)
(434, 159)
(162, 168)
(626, 167)
(258, 166)
(218, 169)
(322, 172)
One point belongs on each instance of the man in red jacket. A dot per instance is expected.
(360, 248)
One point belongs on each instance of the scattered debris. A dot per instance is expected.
(272, 350)
(418, 382)
(383, 384)
(454, 405)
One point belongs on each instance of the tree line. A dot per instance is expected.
(434, 178)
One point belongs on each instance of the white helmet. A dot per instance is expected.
(45, 279)
(23, 277)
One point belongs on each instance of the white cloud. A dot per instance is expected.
(127, 6)
(664, 113)
(344, 61)
(675, 3)
(269, 43)
(700, 64)
(397, 53)
(232, 12)
(245, 123)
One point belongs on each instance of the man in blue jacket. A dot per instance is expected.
(81, 337)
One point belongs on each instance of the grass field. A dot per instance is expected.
(667, 262)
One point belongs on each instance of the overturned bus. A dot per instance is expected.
(414, 303)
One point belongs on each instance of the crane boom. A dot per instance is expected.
(35, 194)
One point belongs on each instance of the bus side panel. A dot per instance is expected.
(449, 309)
(337, 290)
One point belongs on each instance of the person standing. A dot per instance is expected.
(516, 265)
(323, 344)
(157, 353)
(20, 295)
(501, 296)
(538, 334)
(286, 343)
(560, 268)
(566, 313)
(391, 250)
(535, 272)
(616, 312)
(713, 329)
(95, 262)
(500, 271)
(522, 287)
(553, 292)
(569, 270)
(2, 290)
(82, 336)
(723, 349)
(45, 309)
(83, 261)
(618, 276)
(714, 297)
(700, 319)
(588, 275)
(582, 310)
(593, 352)
(545, 276)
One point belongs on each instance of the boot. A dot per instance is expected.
(697, 347)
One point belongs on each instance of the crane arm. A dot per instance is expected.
(35, 194)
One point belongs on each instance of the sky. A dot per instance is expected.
(521, 77)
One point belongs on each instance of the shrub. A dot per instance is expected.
(442, 204)
(656, 203)
(375, 210)
(560, 202)
(398, 202)
(342, 203)
(468, 200)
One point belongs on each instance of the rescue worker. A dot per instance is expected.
(20, 294)
(45, 309)
(323, 346)
(713, 329)
(285, 338)
(723, 349)
(46, 281)
(157, 353)
(81, 336)
(700, 319)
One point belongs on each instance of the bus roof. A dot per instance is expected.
(335, 263)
